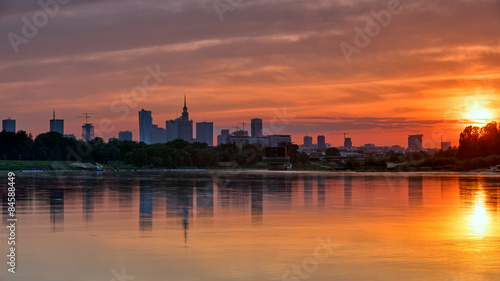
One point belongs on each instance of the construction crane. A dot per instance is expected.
(243, 123)
(341, 134)
(86, 115)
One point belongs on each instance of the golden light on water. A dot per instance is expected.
(479, 219)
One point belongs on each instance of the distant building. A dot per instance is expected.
(112, 139)
(205, 132)
(158, 135)
(347, 142)
(182, 127)
(87, 132)
(70, 136)
(321, 142)
(222, 138)
(9, 125)
(308, 141)
(256, 127)
(445, 146)
(125, 135)
(56, 125)
(145, 126)
(415, 142)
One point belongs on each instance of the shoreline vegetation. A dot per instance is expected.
(479, 150)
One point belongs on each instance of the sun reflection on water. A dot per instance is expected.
(479, 219)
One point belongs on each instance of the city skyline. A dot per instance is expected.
(248, 66)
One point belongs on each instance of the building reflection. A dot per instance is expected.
(56, 202)
(88, 203)
(321, 191)
(415, 191)
(205, 198)
(347, 191)
(308, 191)
(257, 201)
(145, 206)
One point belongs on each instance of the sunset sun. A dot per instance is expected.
(479, 115)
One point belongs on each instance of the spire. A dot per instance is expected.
(185, 107)
(54, 114)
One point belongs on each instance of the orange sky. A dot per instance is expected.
(432, 69)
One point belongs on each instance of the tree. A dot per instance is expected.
(332, 151)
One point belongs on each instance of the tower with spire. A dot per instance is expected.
(56, 125)
(182, 127)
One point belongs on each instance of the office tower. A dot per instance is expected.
(125, 135)
(56, 125)
(112, 139)
(222, 138)
(308, 141)
(158, 135)
(256, 127)
(445, 146)
(87, 132)
(415, 142)
(347, 142)
(145, 126)
(182, 127)
(9, 125)
(205, 132)
(321, 142)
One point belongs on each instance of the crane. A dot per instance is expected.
(86, 115)
(341, 134)
(243, 123)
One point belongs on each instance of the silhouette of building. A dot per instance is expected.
(256, 127)
(125, 135)
(182, 127)
(145, 126)
(347, 142)
(415, 142)
(308, 141)
(222, 138)
(112, 139)
(9, 125)
(445, 146)
(87, 132)
(158, 135)
(205, 132)
(70, 136)
(321, 142)
(56, 125)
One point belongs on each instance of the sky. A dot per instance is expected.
(379, 70)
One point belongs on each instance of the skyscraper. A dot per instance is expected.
(56, 125)
(182, 127)
(125, 135)
(9, 125)
(158, 135)
(87, 132)
(347, 142)
(256, 127)
(415, 142)
(205, 132)
(145, 126)
(222, 138)
(308, 141)
(321, 142)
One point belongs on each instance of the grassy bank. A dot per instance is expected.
(12, 165)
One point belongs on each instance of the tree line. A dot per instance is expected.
(53, 146)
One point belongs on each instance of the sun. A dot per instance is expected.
(479, 115)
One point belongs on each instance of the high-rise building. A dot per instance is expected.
(56, 125)
(445, 146)
(415, 142)
(321, 142)
(182, 127)
(158, 135)
(308, 141)
(87, 132)
(205, 132)
(145, 126)
(222, 138)
(9, 125)
(347, 142)
(256, 127)
(125, 135)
